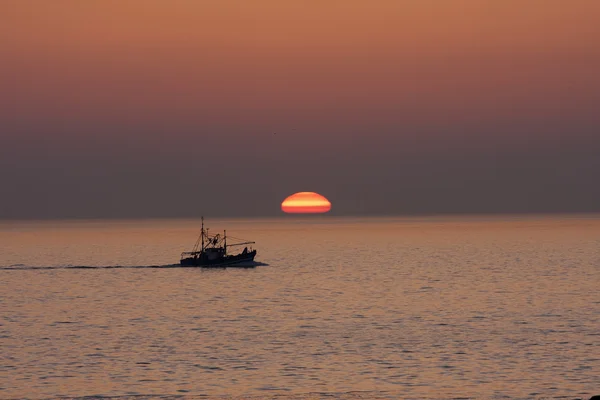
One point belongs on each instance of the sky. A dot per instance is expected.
(182, 108)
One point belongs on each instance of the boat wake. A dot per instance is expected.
(22, 267)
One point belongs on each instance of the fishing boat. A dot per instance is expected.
(213, 251)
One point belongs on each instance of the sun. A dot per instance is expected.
(306, 203)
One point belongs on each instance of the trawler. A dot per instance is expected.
(213, 251)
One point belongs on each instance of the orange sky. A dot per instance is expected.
(353, 24)
(391, 105)
(178, 58)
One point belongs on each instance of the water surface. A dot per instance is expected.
(357, 308)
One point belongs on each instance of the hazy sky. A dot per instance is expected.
(117, 108)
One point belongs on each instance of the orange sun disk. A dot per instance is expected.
(305, 203)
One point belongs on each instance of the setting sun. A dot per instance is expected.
(306, 203)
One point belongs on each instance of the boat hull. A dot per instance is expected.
(243, 260)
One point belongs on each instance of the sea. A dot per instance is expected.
(482, 307)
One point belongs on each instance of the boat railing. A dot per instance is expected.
(190, 253)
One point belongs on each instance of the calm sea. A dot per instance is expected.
(352, 308)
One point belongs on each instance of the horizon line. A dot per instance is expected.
(322, 216)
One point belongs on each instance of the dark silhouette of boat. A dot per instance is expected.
(212, 251)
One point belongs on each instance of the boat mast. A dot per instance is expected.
(225, 240)
(202, 233)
